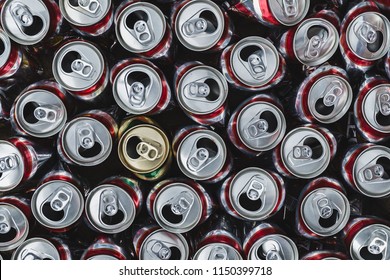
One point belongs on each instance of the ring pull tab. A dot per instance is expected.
(374, 172)
(9, 163)
(256, 128)
(273, 250)
(182, 203)
(61, 199)
(366, 32)
(82, 68)
(89, 6)
(136, 93)
(197, 90)
(21, 14)
(289, 7)
(302, 152)
(160, 250)
(256, 189)
(384, 103)
(6, 222)
(323, 205)
(142, 32)
(333, 93)
(85, 136)
(198, 159)
(109, 202)
(45, 114)
(148, 151)
(315, 44)
(257, 64)
(31, 254)
(378, 242)
(218, 253)
(194, 27)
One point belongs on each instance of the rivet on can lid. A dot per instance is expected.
(217, 252)
(11, 166)
(273, 247)
(84, 12)
(36, 249)
(14, 227)
(376, 108)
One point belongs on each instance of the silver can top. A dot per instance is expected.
(110, 209)
(25, 21)
(84, 12)
(254, 61)
(261, 126)
(376, 108)
(368, 36)
(287, 12)
(253, 193)
(202, 90)
(78, 65)
(325, 211)
(5, 48)
(273, 247)
(315, 41)
(199, 25)
(177, 208)
(140, 27)
(36, 249)
(371, 243)
(371, 171)
(217, 252)
(164, 245)
(330, 98)
(11, 166)
(102, 257)
(57, 204)
(137, 88)
(86, 141)
(40, 113)
(305, 152)
(201, 154)
(14, 227)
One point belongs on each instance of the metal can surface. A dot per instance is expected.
(387, 65)
(89, 18)
(142, 28)
(112, 206)
(178, 205)
(201, 154)
(201, 25)
(201, 92)
(253, 64)
(88, 138)
(305, 152)
(253, 194)
(104, 248)
(11, 56)
(365, 168)
(257, 125)
(323, 209)
(324, 96)
(5, 108)
(139, 87)
(80, 67)
(325, 255)
(144, 148)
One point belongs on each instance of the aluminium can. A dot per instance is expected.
(104, 248)
(325, 255)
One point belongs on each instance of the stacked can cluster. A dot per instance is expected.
(194, 129)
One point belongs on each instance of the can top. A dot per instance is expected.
(218, 252)
(330, 98)
(140, 27)
(371, 243)
(5, 48)
(110, 209)
(371, 171)
(78, 65)
(261, 126)
(254, 193)
(36, 249)
(164, 245)
(102, 257)
(137, 88)
(40, 113)
(177, 208)
(368, 36)
(305, 152)
(376, 108)
(201, 154)
(25, 21)
(11, 166)
(143, 148)
(255, 61)
(199, 25)
(86, 141)
(202, 90)
(287, 12)
(315, 41)
(57, 204)
(14, 227)
(84, 12)
(325, 211)
(273, 247)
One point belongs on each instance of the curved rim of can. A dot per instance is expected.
(61, 4)
(113, 230)
(123, 143)
(124, 12)
(103, 257)
(330, 53)
(344, 219)
(21, 164)
(21, 121)
(43, 220)
(191, 47)
(6, 42)
(172, 228)
(23, 237)
(207, 246)
(282, 129)
(221, 79)
(16, 253)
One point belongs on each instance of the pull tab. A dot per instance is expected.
(323, 205)
(273, 250)
(147, 151)
(21, 14)
(160, 250)
(136, 93)
(373, 172)
(315, 44)
(82, 67)
(384, 103)
(256, 129)
(182, 203)
(31, 254)
(89, 6)
(256, 189)
(85, 136)
(257, 64)
(194, 27)
(302, 152)
(60, 199)
(218, 253)
(109, 202)
(5, 222)
(198, 159)
(198, 90)
(366, 33)
(45, 114)
(290, 8)
(377, 244)
(333, 92)
(142, 32)
(8, 163)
